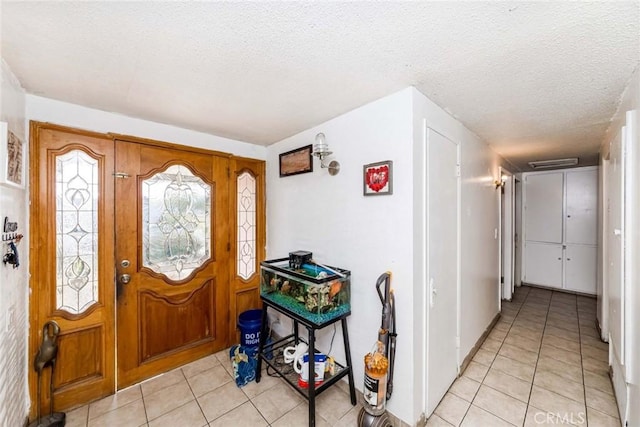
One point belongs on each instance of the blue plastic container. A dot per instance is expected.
(250, 322)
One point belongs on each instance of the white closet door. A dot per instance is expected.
(615, 271)
(582, 204)
(580, 268)
(543, 264)
(442, 266)
(543, 207)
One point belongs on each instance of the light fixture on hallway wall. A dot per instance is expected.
(499, 183)
(321, 151)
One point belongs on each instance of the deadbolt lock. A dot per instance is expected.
(125, 263)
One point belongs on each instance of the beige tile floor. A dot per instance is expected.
(203, 393)
(542, 364)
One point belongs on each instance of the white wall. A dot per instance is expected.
(329, 216)
(518, 229)
(479, 210)
(479, 275)
(13, 295)
(63, 113)
(602, 310)
(369, 235)
(627, 387)
(480, 256)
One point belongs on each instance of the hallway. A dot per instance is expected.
(542, 364)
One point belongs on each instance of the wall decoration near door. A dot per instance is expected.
(11, 160)
(10, 239)
(377, 178)
(296, 161)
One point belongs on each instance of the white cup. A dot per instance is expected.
(290, 354)
(301, 366)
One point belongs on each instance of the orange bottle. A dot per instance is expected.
(376, 366)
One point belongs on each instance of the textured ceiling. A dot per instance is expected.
(534, 80)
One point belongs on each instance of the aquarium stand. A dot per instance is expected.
(271, 354)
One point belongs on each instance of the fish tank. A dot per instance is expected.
(318, 293)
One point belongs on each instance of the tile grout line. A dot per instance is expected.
(255, 407)
(144, 404)
(584, 385)
(535, 368)
(264, 391)
(86, 422)
(283, 415)
(243, 392)
(194, 395)
(498, 351)
(514, 319)
(576, 382)
(505, 373)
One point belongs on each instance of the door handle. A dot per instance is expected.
(432, 292)
(125, 278)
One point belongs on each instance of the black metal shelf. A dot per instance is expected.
(276, 361)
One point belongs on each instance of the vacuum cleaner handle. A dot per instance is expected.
(384, 278)
(392, 345)
(383, 333)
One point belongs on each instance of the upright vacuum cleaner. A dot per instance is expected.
(378, 370)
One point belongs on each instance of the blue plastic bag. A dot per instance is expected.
(245, 362)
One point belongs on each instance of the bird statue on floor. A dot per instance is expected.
(47, 355)
(48, 350)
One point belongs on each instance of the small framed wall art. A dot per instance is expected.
(296, 161)
(378, 178)
(11, 158)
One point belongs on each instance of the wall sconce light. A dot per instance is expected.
(499, 183)
(321, 150)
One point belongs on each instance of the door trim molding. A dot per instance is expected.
(165, 144)
(35, 211)
(36, 271)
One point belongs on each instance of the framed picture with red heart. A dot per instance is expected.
(378, 178)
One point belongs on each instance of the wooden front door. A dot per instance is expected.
(172, 253)
(132, 248)
(247, 209)
(71, 262)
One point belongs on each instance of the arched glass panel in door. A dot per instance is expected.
(246, 233)
(76, 232)
(176, 222)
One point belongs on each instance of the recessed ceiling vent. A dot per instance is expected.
(558, 163)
